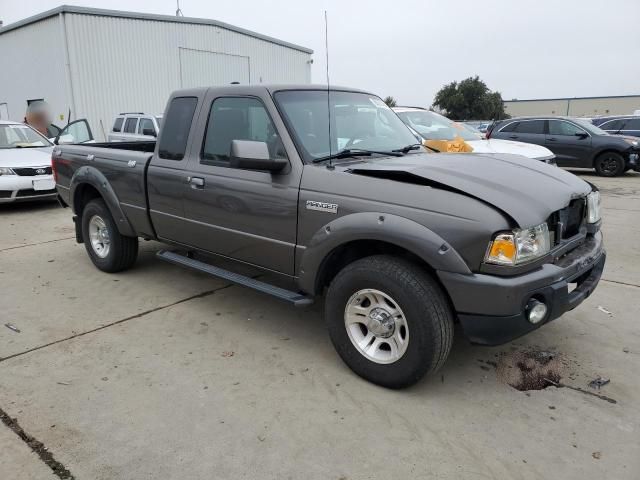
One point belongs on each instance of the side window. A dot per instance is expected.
(145, 124)
(531, 127)
(117, 125)
(558, 127)
(176, 127)
(130, 125)
(235, 118)
(511, 127)
(612, 125)
(632, 124)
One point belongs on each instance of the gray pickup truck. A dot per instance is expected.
(329, 193)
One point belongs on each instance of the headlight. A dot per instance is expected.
(631, 141)
(519, 246)
(6, 171)
(593, 207)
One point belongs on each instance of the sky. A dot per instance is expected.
(409, 48)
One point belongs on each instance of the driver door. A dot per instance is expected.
(77, 131)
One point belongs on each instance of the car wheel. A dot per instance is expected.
(609, 164)
(109, 250)
(389, 320)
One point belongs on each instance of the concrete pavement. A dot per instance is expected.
(160, 372)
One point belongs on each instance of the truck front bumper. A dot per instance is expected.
(494, 310)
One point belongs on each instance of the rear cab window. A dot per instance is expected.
(117, 125)
(176, 128)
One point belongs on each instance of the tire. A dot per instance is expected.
(609, 164)
(422, 340)
(109, 250)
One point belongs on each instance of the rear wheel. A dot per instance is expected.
(109, 250)
(389, 320)
(609, 164)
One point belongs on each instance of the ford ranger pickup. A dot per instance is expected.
(328, 192)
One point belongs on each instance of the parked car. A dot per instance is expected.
(433, 126)
(135, 127)
(620, 125)
(575, 142)
(25, 164)
(401, 242)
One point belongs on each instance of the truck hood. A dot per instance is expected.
(25, 157)
(526, 190)
(497, 145)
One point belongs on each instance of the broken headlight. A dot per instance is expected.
(519, 246)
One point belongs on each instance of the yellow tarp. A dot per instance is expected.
(457, 145)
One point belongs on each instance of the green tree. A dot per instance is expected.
(470, 99)
(390, 101)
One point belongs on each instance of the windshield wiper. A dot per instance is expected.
(355, 152)
(408, 148)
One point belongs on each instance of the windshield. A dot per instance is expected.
(590, 127)
(21, 136)
(436, 127)
(358, 121)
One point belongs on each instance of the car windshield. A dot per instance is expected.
(358, 121)
(432, 126)
(590, 127)
(21, 136)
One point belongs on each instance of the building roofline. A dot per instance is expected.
(569, 98)
(101, 12)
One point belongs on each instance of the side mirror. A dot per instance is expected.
(581, 134)
(150, 132)
(250, 155)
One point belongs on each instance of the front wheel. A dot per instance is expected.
(108, 249)
(609, 164)
(389, 320)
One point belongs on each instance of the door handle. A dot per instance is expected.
(553, 139)
(513, 136)
(196, 183)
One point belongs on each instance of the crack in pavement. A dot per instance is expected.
(117, 322)
(37, 447)
(621, 283)
(34, 244)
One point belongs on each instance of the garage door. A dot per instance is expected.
(199, 68)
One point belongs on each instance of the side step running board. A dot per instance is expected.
(298, 299)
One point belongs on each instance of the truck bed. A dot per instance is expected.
(122, 166)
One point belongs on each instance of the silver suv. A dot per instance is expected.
(135, 127)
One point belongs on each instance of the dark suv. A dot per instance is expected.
(619, 125)
(575, 142)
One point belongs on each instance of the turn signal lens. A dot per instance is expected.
(519, 246)
(502, 250)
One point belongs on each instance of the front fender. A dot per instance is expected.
(384, 227)
(87, 175)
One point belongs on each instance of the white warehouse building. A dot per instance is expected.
(95, 63)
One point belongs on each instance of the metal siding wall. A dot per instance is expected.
(200, 69)
(121, 64)
(33, 66)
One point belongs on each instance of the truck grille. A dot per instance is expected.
(566, 223)
(32, 171)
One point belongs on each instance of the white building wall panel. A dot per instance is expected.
(32, 66)
(198, 67)
(124, 64)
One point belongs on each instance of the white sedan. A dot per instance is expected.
(25, 164)
(433, 126)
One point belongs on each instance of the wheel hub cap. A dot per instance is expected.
(377, 326)
(381, 323)
(99, 236)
